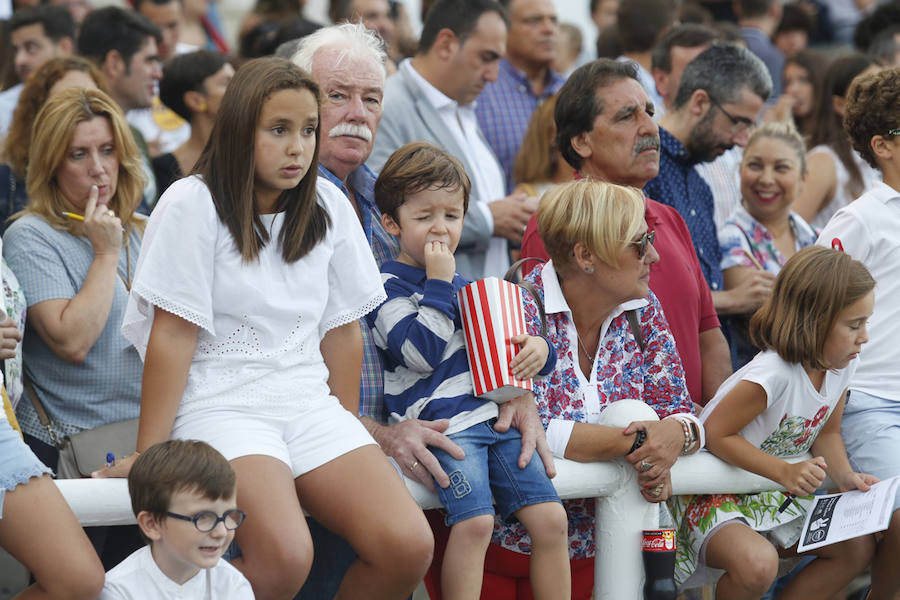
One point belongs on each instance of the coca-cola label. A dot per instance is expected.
(658, 540)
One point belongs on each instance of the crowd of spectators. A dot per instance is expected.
(192, 230)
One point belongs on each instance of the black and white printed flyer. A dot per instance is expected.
(834, 518)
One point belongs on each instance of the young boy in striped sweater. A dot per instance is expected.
(423, 194)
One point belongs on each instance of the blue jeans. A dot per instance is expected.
(491, 465)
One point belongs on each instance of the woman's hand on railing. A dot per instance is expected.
(658, 490)
(121, 468)
(665, 440)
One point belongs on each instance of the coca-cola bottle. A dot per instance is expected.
(658, 550)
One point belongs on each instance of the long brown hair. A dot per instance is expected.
(54, 129)
(228, 164)
(829, 129)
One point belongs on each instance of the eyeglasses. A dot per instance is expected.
(646, 240)
(738, 124)
(208, 520)
(893, 132)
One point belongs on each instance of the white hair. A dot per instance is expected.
(354, 40)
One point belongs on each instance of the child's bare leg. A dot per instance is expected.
(885, 574)
(834, 568)
(40, 531)
(274, 540)
(463, 568)
(360, 497)
(750, 562)
(548, 527)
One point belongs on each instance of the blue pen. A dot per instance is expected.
(110, 459)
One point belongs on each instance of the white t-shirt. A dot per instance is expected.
(795, 410)
(139, 578)
(867, 230)
(260, 323)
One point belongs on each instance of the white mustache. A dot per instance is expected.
(360, 131)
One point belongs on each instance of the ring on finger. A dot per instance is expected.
(413, 466)
(645, 466)
(657, 490)
(111, 213)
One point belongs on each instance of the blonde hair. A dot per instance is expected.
(54, 129)
(811, 290)
(784, 131)
(603, 216)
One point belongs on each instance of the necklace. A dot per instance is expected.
(582, 347)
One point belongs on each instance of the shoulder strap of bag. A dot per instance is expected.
(41, 413)
(635, 327)
(514, 275)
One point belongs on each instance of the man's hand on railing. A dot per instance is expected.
(119, 469)
(521, 413)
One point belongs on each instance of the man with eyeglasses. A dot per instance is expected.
(605, 130)
(720, 96)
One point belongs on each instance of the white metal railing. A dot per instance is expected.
(621, 510)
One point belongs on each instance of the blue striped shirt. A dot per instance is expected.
(418, 329)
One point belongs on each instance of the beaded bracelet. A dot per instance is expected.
(689, 438)
(639, 438)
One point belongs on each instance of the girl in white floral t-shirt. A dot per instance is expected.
(788, 400)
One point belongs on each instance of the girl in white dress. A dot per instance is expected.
(244, 307)
(786, 401)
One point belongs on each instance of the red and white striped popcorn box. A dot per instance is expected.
(491, 311)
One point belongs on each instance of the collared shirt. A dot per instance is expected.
(621, 370)
(676, 279)
(680, 186)
(866, 229)
(743, 234)
(504, 110)
(138, 576)
(462, 123)
(743, 237)
(384, 247)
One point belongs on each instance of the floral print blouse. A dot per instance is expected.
(622, 371)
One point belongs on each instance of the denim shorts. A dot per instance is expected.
(18, 463)
(491, 465)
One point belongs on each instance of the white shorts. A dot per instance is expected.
(303, 440)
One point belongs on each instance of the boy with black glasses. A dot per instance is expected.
(183, 495)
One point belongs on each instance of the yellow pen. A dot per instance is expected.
(74, 216)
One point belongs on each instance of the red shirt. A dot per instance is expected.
(676, 280)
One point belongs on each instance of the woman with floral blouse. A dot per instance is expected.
(595, 291)
(764, 231)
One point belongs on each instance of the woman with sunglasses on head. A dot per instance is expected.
(614, 352)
